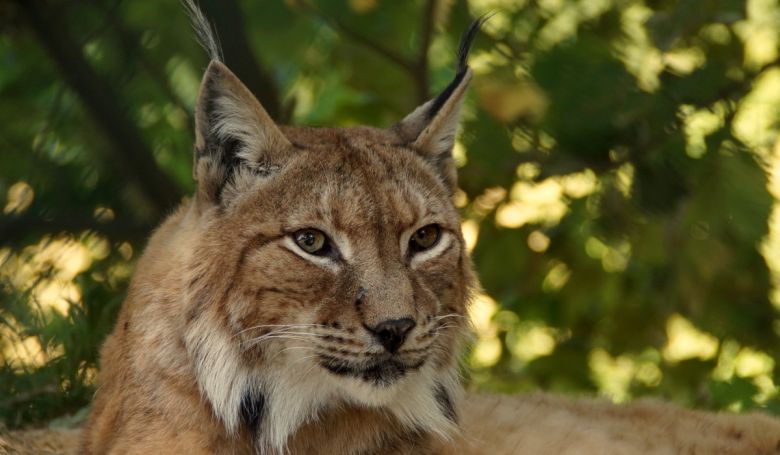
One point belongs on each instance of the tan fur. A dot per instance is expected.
(40, 442)
(532, 425)
(547, 424)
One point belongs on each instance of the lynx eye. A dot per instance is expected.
(312, 241)
(425, 238)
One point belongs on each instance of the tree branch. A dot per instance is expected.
(359, 38)
(17, 229)
(23, 397)
(417, 68)
(131, 41)
(426, 35)
(129, 153)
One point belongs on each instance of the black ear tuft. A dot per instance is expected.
(467, 39)
(463, 53)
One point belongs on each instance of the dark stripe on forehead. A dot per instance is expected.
(418, 166)
(362, 161)
(405, 187)
(436, 203)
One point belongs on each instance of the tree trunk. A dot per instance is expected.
(129, 153)
(226, 18)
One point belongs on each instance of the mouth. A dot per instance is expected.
(381, 372)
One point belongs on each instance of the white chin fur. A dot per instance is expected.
(411, 398)
(369, 394)
(293, 398)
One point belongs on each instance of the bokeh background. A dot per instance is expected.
(617, 169)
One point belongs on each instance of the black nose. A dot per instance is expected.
(392, 333)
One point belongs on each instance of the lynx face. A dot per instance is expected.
(329, 268)
(350, 259)
(362, 271)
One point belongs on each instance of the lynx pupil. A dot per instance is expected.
(311, 241)
(425, 237)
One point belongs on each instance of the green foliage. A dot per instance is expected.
(616, 162)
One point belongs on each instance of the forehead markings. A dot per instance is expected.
(337, 195)
(371, 195)
(402, 195)
(328, 212)
(427, 207)
(422, 191)
(361, 161)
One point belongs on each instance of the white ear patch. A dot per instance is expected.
(234, 119)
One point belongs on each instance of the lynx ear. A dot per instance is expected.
(235, 139)
(430, 129)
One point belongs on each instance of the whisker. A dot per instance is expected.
(418, 350)
(282, 326)
(446, 326)
(311, 368)
(296, 336)
(343, 352)
(289, 332)
(277, 354)
(257, 340)
(449, 315)
(436, 322)
(291, 348)
(305, 358)
(273, 337)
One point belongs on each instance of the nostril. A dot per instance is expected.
(392, 333)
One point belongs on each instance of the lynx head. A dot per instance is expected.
(329, 269)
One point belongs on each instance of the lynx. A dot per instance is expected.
(311, 298)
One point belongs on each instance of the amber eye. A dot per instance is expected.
(425, 238)
(312, 241)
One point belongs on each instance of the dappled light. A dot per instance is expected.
(619, 179)
(684, 341)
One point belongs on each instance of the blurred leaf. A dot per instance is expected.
(684, 18)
